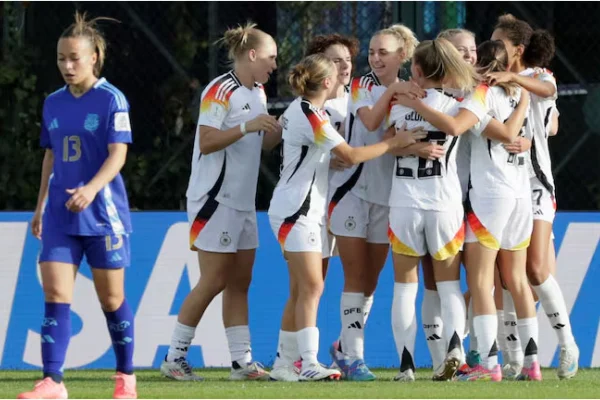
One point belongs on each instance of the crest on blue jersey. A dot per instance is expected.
(92, 121)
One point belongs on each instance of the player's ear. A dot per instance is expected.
(252, 55)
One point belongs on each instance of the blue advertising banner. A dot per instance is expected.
(163, 268)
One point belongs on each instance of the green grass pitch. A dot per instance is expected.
(97, 384)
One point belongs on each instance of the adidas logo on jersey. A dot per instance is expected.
(246, 107)
(53, 125)
(115, 258)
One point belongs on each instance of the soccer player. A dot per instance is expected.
(233, 127)
(82, 206)
(426, 212)
(358, 211)
(297, 210)
(341, 50)
(528, 50)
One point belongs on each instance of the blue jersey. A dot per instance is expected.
(79, 130)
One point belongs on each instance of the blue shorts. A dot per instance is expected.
(105, 252)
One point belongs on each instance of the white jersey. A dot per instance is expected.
(372, 179)
(421, 183)
(229, 175)
(540, 115)
(337, 110)
(308, 137)
(463, 152)
(495, 173)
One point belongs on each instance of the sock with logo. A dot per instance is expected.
(404, 322)
(308, 345)
(352, 337)
(453, 312)
(366, 307)
(238, 338)
(554, 305)
(181, 340)
(511, 349)
(486, 328)
(528, 331)
(56, 333)
(120, 326)
(287, 349)
(431, 315)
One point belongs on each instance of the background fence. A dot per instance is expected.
(161, 55)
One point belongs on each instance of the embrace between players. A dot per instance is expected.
(452, 166)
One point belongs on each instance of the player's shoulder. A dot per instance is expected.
(310, 111)
(223, 86)
(366, 81)
(56, 95)
(111, 92)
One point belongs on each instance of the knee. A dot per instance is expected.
(310, 290)
(54, 293)
(239, 284)
(536, 271)
(111, 301)
(212, 284)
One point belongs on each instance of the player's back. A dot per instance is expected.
(421, 183)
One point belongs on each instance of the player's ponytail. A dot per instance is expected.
(407, 40)
(82, 27)
(493, 57)
(241, 39)
(308, 75)
(441, 62)
(541, 49)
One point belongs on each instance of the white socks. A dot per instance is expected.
(486, 328)
(352, 316)
(453, 313)
(367, 305)
(238, 338)
(180, 341)
(404, 322)
(554, 305)
(308, 345)
(431, 314)
(528, 332)
(287, 349)
(511, 347)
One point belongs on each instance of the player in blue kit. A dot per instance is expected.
(85, 131)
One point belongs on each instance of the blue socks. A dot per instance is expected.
(120, 327)
(56, 333)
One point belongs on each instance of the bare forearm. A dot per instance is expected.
(373, 117)
(109, 170)
(47, 164)
(365, 153)
(535, 86)
(215, 139)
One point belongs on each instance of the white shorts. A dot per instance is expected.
(499, 223)
(415, 232)
(301, 235)
(355, 217)
(217, 228)
(543, 202)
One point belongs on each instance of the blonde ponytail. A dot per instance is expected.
(241, 39)
(82, 27)
(493, 57)
(308, 75)
(441, 62)
(407, 40)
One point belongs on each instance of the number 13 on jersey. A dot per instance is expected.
(71, 148)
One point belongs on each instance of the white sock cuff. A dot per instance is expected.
(353, 298)
(546, 286)
(527, 321)
(448, 287)
(184, 329)
(238, 330)
(368, 300)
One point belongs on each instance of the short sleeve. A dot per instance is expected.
(119, 126)
(321, 132)
(546, 75)
(478, 102)
(215, 105)
(479, 127)
(361, 93)
(44, 133)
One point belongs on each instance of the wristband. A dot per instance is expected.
(243, 128)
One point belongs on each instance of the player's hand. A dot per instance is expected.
(338, 164)
(430, 151)
(404, 138)
(494, 78)
(406, 101)
(519, 145)
(36, 224)
(80, 199)
(264, 122)
(408, 88)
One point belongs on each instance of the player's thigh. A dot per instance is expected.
(487, 219)
(59, 260)
(519, 226)
(428, 276)
(378, 224)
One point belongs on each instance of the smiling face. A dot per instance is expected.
(465, 44)
(340, 55)
(514, 52)
(385, 57)
(76, 59)
(263, 60)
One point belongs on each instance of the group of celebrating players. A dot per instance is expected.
(450, 167)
